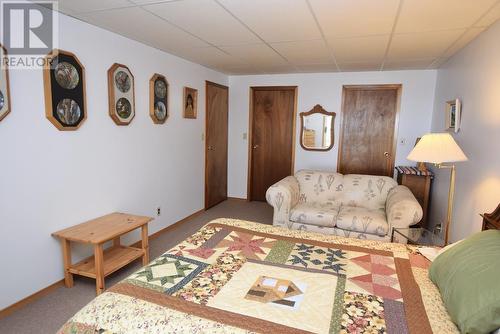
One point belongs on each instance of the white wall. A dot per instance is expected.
(326, 89)
(51, 179)
(473, 75)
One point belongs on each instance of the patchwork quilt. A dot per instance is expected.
(234, 276)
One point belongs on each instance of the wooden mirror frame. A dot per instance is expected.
(317, 109)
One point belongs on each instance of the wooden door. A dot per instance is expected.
(272, 138)
(368, 130)
(216, 144)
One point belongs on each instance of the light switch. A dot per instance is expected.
(202, 137)
(244, 136)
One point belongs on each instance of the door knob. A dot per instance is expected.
(387, 154)
(255, 146)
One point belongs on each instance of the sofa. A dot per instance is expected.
(351, 205)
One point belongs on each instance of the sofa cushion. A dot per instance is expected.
(319, 187)
(362, 220)
(367, 191)
(317, 214)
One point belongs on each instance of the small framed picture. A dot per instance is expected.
(4, 85)
(121, 94)
(158, 98)
(453, 115)
(64, 90)
(190, 102)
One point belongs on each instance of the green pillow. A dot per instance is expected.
(468, 278)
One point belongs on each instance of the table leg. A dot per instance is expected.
(145, 244)
(66, 249)
(99, 268)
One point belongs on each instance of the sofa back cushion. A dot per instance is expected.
(320, 187)
(367, 191)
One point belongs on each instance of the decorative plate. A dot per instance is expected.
(122, 81)
(66, 75)
(68, 112)
(123, 108)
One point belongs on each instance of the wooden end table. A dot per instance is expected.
(104, 262)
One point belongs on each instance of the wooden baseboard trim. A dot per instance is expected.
(45, 291)
(23, 302)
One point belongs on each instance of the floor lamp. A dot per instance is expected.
(442, 150)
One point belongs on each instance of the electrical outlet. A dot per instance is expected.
(158, 211)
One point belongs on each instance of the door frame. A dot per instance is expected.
(211, 83)
(252, 89)
(345, 88)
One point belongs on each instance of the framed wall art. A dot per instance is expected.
(158, 98)
(190, 102)
(453, 114)
(64, 89)
(4, 85)
(121, 94)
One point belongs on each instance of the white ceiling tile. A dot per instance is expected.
(431, 15)
(211, 56)
(491, 17)
(276, 69)
(205, 19)
(317, 68)
(304, 52)
(359, 66)
(422, 45)
(79, 6)
(151, 30)
(359, 49)
(256, 54)
(346, 18)
(410, 64)
(277, 20)
(463, 41)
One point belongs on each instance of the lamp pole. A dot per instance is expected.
(451, 194)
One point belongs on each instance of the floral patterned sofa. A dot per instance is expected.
(353, 205)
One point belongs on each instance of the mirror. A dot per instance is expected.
(316, 131)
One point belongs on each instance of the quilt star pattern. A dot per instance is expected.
(230, 277)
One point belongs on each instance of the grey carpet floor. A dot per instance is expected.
(49, 313)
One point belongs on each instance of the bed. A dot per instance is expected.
(235, 276)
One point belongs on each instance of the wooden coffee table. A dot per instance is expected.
(104, 262)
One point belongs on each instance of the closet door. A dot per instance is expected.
(272, 138)
(216, 144)
(368, 130)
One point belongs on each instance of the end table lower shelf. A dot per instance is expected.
(97, 232)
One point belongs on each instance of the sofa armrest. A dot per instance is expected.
(402, 208)
(283, 196)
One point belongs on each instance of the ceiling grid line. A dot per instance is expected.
(442, 56)
(238, 37)
(256, 35)
(328, 46)
(389, 43)
(193, 35)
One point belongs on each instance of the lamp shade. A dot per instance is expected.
(437, 148)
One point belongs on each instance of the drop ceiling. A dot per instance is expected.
(291, 36)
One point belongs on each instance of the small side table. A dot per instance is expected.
(417, 236)
(104, 262)
(420, 185)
